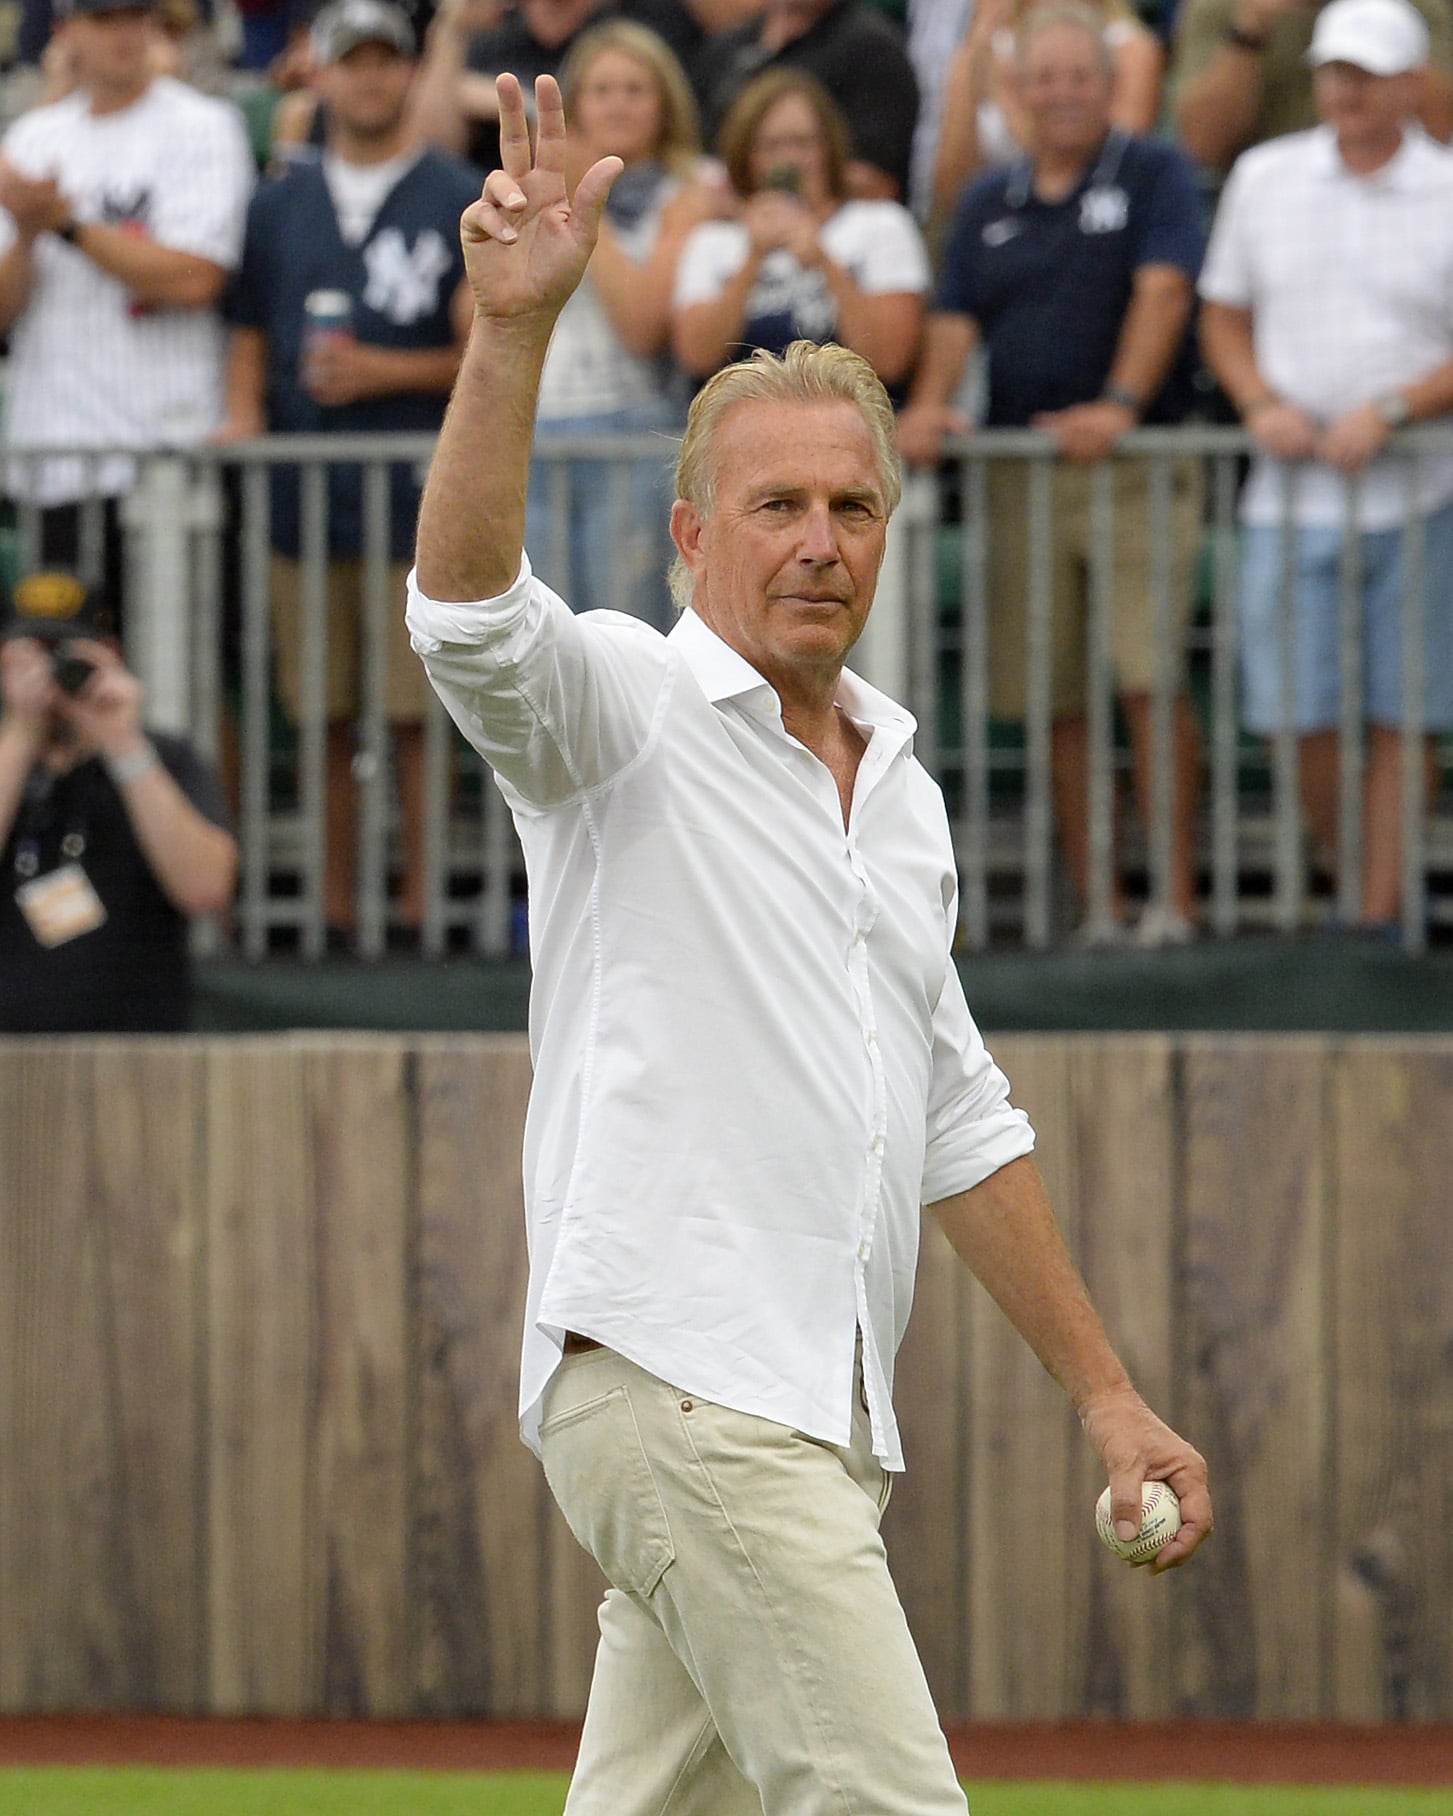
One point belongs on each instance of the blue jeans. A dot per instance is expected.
(1317, 634)
(597, 531)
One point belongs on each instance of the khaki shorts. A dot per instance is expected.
(1133, 578)
(406, 692)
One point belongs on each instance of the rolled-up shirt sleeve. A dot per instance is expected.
(556, 704)
(973, 1128)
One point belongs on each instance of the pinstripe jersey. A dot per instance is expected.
(87, 369)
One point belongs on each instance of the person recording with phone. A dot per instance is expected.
(801, 261)
(111, 836)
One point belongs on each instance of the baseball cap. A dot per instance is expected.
(1384, 37)
(346, 24)
(68, 9)
(51, 604)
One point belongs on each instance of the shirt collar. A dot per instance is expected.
(1401, 170)
(723, 674)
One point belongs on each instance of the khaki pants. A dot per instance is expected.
(753, 1653)
(1133, 594)
(406, 693)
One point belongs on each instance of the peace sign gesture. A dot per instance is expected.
(526, 242)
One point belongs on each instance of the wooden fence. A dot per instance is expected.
(259, 1314)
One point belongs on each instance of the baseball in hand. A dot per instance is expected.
(1160, 1520)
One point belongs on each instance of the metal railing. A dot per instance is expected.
(200, 633)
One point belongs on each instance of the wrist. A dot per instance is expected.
(125, 762)
(1393, 411)
(1124, 398)
(70, 230)
(1253, 406)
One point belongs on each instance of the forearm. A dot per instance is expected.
(1151, 334)
(151, 272)
(472, 516)
(1431, 395)
(948, 340)
(245, 382)
(1216, 110)
(1005, 1231)
(435, 104)
(17, 275)
(193, 861)
(1229, 347)
(19, 748)
(884, 329)
(707, 334)
(636, 299)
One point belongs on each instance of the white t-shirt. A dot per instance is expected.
(587, 369)
(1349, 281)
(358, 191)
(877, 242)
(85, 370)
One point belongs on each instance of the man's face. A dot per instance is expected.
(366, 90)
(787, 561)
(111, 49)
(1065, 87)
(1362, 108)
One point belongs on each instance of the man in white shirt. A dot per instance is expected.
(121, 213)
(753, 1059)
(1328, 319)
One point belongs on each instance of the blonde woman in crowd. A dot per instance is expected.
(984, 123)
(597, 529)
(799, 260)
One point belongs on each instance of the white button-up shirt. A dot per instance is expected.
(1349, 280)
(753, 1058)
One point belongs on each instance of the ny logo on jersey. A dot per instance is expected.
(403, 280)
(120, 205)
(1104, 209)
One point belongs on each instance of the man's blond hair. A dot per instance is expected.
(804, 374)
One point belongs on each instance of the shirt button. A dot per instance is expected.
(877, 1144)
(864, 1250)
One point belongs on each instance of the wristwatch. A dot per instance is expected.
(1124, 397)
(1394, 410)
(69, 231)
(1243, 39)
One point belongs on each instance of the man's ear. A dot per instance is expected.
(687, 524)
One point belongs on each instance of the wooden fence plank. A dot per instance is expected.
(1393, 1363)
(1126, 1243)
(1021, 1453)
(264, 1600)
(483, 1640)
(100, 1516)
(1253, 1642)
(926, 1524)
(361, 1128)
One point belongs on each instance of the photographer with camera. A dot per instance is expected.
(110, 836)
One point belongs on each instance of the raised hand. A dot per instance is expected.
(527, 241)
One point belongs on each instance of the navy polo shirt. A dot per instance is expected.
(402, 279)
(1049, 283)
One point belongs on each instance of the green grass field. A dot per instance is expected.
(136, 1791)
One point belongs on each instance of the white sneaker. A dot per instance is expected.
(1099, 936)
(1159, 926)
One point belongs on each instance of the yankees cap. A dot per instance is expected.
(346, 24)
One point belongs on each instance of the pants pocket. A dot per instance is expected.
(602, 1482)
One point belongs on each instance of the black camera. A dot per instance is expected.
(71, 671)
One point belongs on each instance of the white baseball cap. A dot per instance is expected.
(1384, 37)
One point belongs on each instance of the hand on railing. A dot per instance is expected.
(1352, 440)
(1086, 433)
(1282, 430)
(924, 427)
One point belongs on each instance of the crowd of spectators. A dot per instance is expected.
(989, 199)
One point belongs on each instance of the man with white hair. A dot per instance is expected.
(1326, 319)
(753, 1061)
